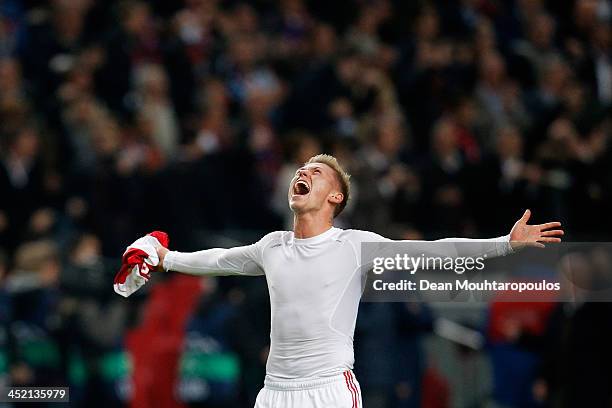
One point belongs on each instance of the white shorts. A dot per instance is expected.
(339, 391)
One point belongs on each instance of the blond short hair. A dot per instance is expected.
(344, 179)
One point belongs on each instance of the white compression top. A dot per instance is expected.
(315, 285)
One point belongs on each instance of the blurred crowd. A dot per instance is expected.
(119, 117)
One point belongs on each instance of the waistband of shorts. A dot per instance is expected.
(307, 383)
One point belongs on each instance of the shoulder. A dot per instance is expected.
(272, 238)
(358, 236)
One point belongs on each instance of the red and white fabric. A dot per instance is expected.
(137, 261)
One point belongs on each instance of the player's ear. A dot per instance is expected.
(336, 197)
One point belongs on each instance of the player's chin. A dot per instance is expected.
(297, 201)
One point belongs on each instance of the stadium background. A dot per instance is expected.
(190, 116)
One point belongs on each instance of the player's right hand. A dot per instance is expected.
(161, 253)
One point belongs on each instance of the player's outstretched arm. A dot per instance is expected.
(521, 235)
(244, 260)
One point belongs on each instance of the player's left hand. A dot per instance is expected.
(523, 234)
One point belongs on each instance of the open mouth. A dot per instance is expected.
(301, 188)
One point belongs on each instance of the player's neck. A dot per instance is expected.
(310, 225)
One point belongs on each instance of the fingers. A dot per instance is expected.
(535, 244)
(549, 239)
(549, 225)
(552, 233)
(526, 215)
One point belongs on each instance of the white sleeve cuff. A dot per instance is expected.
(168, 261)
(508, 246)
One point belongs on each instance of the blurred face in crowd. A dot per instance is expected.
(602, 36)
(105, 134)
(466, 112)
(561, 130)
(136, 18)
(509, 143)
(390, 136)
(348, 69)
(9, 74)
(574, 97)
(87, 251)
(485, 36)
(308, 147)
(542, 31)
(439, 55)
(577, 268)
(368, 21)
(41, 258)
(314, 187)
(445, 140)
(492, 68)
(153, 81)
(554, 76)
(246, 18)
(69, 19)
(243, 51)
(324, 41)
(292, 7)
(26, 145)
(3, 258)
(585, 13)
(427, 25)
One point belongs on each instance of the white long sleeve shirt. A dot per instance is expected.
(315, 285)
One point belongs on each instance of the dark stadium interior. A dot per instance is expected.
(190, 116)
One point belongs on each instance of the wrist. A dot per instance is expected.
(513, 246)
(517, 245)
(161, 253)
